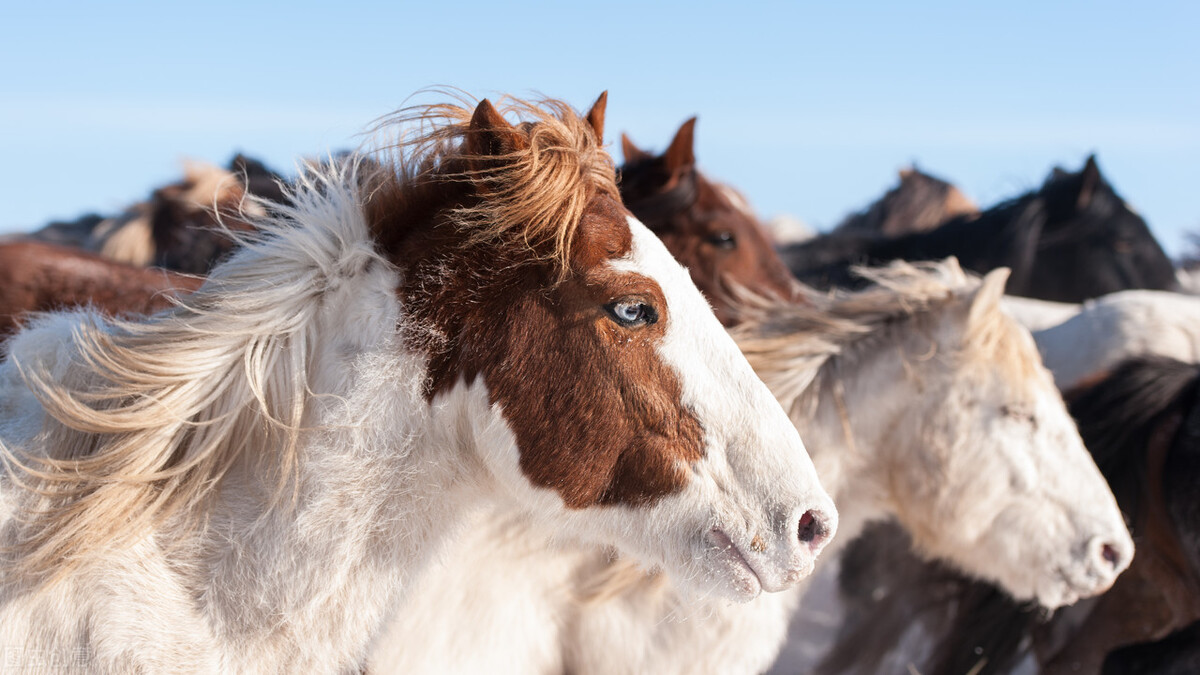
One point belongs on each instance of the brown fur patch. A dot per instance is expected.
(39, 277)
(596, 413)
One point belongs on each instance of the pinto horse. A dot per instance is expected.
(1142, 424)
(707, 226)
(254, 480)
(1072, 240)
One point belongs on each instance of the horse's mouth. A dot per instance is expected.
(730, 560)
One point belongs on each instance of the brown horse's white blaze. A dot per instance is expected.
(628, 415)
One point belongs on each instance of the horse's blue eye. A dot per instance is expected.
(632, 313)
(724, 240)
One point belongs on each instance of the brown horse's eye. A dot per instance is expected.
(723, 240)
(631, 313)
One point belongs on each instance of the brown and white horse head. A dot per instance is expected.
(1002, 484)
(606, 397)
(709, 227)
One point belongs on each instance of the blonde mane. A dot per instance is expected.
(143, 419)
(534, 195)
(789, 343)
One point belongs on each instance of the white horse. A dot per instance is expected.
(252, 481)
(1102, 333)
(928, 405)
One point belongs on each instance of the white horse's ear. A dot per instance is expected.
(987, 297)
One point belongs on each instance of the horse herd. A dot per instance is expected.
(476, 400)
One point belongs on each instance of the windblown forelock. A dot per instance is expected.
(534, 196)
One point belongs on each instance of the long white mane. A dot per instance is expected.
(142, 420)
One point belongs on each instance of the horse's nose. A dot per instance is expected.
(814, 530)
(1108, 557)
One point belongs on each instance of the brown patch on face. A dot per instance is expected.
(40, 277)
(716, 240)
(596, 413)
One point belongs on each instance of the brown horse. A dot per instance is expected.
(40, 277)
(707, 226)
(920, 202)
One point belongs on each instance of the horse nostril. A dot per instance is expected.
(812, 528)
(1110, 555)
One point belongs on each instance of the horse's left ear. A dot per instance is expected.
(1089, 183)
(987, 296)
(595, 116)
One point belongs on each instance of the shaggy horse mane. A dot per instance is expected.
(534, 195)
(789, 341)
(143, 419)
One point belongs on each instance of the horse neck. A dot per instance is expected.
(384, 480)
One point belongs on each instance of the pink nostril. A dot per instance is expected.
(812, 528)
(1110, 555)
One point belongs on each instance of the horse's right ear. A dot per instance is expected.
(490, 137)
(1089, 183)
(632, 152)
(987, 296)
(681, 153)
(595, 117)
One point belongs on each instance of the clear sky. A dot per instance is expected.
(809, 108)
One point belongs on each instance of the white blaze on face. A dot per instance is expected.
(755, 484)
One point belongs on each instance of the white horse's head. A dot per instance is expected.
(998, 480)
(602, 393)
(944, 418)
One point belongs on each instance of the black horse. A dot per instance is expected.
(1071, 240)
(1142, 426)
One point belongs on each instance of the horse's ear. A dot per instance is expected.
(595, 116)
(987, 296)
(490, 137)
(631, 152)
(1089, 182)
(681, 153)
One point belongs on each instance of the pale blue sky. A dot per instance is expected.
(809, 108)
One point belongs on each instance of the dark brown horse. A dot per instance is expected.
(1142, 425)
(707, 226)
(40, 277)
(920, 202)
